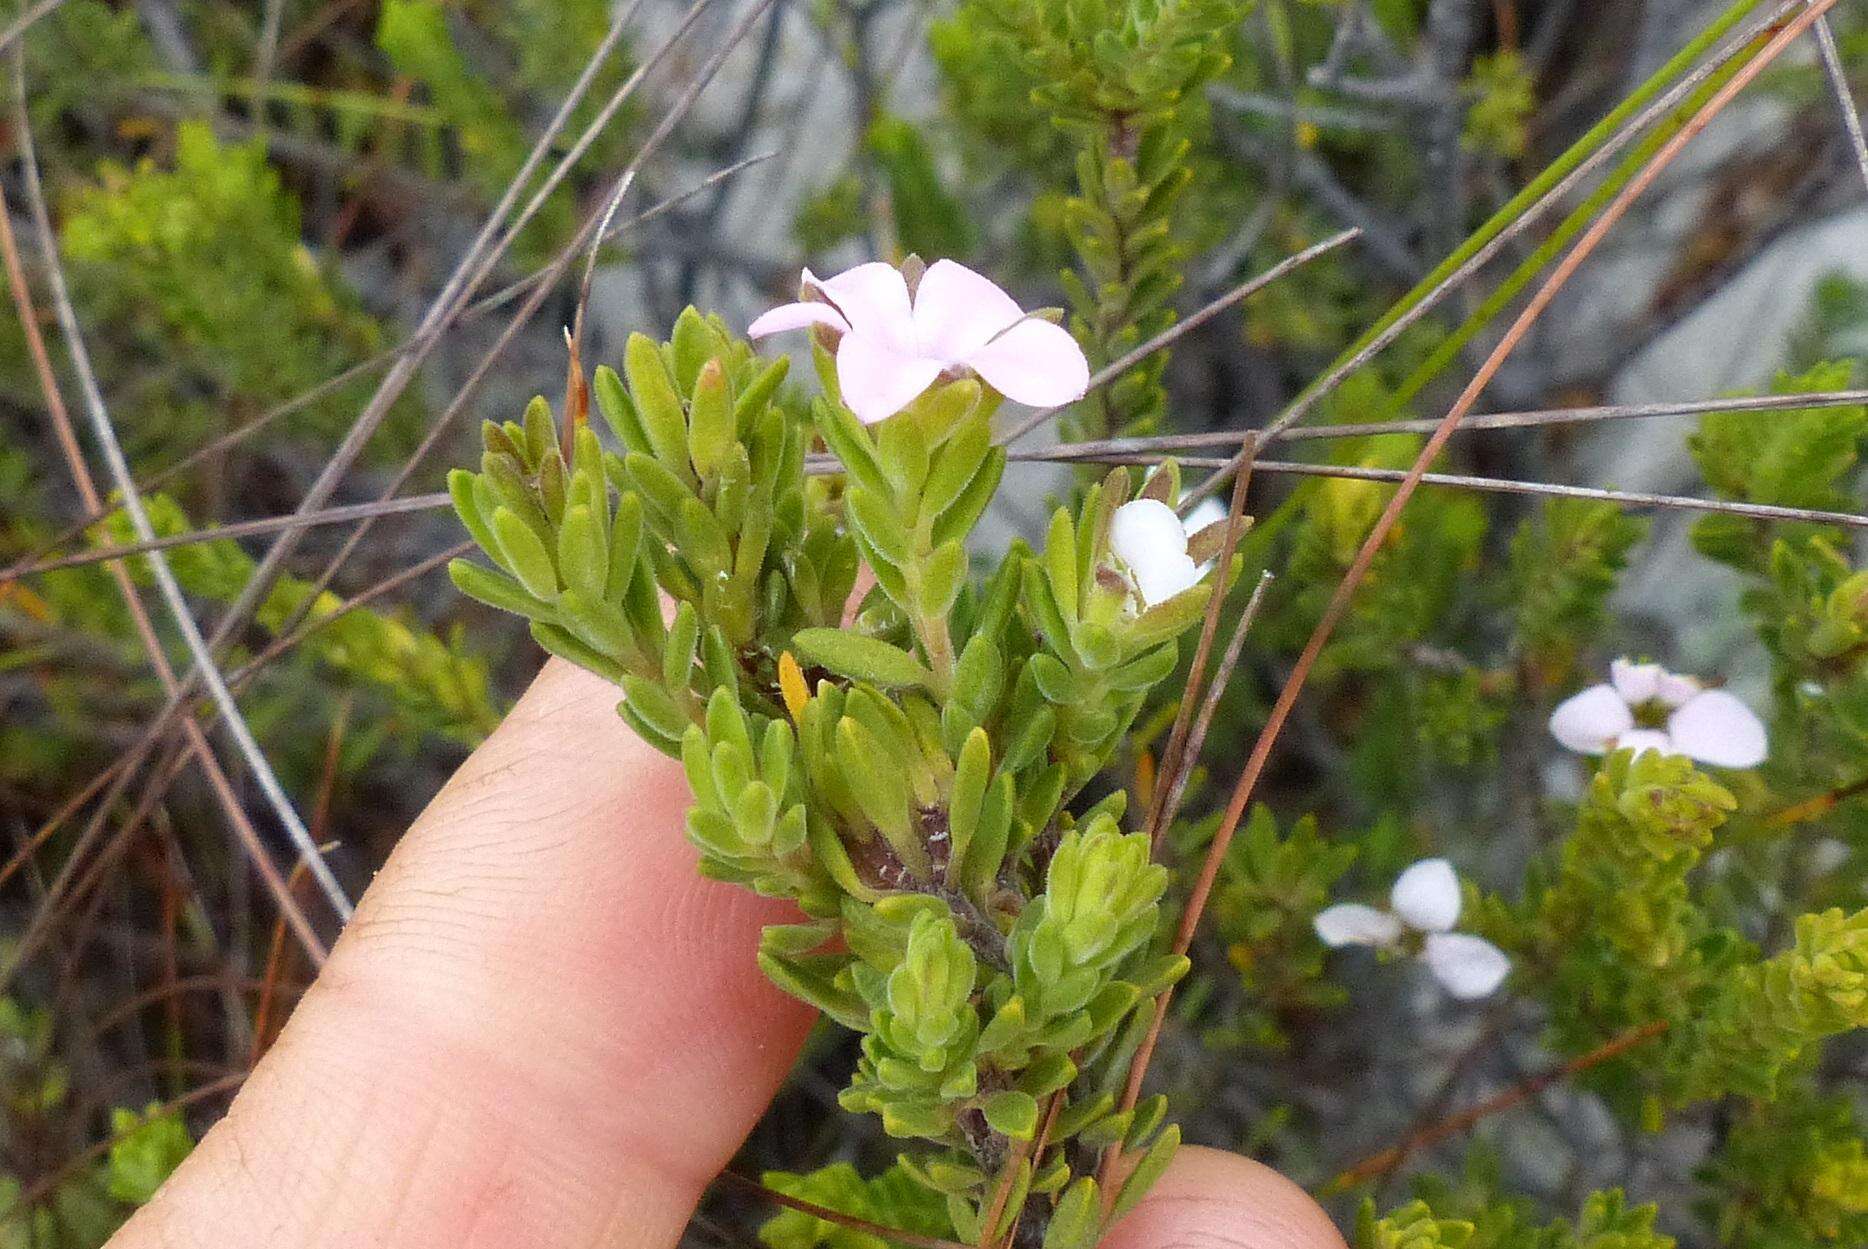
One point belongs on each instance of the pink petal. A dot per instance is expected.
(1716, 728)
(796, 317)
(876, 379)
(957, 311)
(1643, 740)
(1426, 895)
(1636, 683)
(873, 298)
(1467, 966)
(1589, 721)
(1351, 923)
(1034, 363)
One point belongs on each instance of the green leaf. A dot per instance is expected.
(614, 402)
(461, 491)
(711, 427)
(1012, 1114)
(964, 803)
(860, 658)
(524, 554)
(496, 589)
(664, 422)
(1076, 1221)
(942, 576)
(582, 557)
(1147, 1171)
(1060, 564)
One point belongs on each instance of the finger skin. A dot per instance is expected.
(542, 1028)
(1213, 1200)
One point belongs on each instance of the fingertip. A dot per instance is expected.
(1209, 1199)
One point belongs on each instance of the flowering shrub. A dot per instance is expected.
(905, 749)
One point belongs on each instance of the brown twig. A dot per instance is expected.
(1377, 1165)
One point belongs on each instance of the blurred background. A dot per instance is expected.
(257, 204)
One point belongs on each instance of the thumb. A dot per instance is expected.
(1213, 1200)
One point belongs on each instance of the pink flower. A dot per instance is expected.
(1645, 707)
(895, 346)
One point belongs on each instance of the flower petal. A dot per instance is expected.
(1426, 896)
(873, 298)
(796, 317)
(878, 381)
(1715, 727)
(1034, 363)
(1161, 579)
(1143, 530)
(1677, 691)
(1589, 721)
(1467, 966)
(1208, 511)
(1636, 683)
(958, 311)
(1351, 923)
(1642, 740)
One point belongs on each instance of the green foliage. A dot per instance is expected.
(1801, 457)
(200, 266)
(1124, 83)
(1502, 95)
(892, 1199)
(1269, 888)
(1606, 1221)
(1790, 1173)
(88, 1202)
(929, 221)
(1565, 560)
(429, 684)
(905, 777)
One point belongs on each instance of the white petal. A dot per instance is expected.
(1351, 923)
(957, 311)
(1208, 511)
(1677, 691)
(1636, 683)
(796, 317)
(1589, 721)
(1643, 740)
(877, 380)
(1426, 895)
(1467, 966)
(1715, 727)
(1161, 579)
(1034, 363)
(873, 298)
(1146, 529)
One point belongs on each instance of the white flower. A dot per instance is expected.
(1425, 899)
(893, 345)
(1151, 544)
(1645, 707)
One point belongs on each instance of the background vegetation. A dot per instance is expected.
(257, 208)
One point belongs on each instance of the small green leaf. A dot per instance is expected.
(970, 779)
(859, 658)
(581, 555)
(1147, 1171)
(1012, 1114)
(495, 589)
(711, 427)
(657, 405)
(524, 554)
(619, 411)
(1076, 1221)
